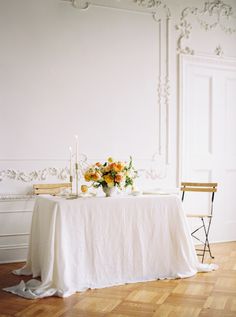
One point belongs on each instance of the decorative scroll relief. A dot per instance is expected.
(157, 169)
(148, 3)
(219, 51)
(154, 172)
(144, 5)
(214, 14)
(40, 175)
(10, 197)
(80, 4)
(43, 174)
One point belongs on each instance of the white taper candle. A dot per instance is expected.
(70, 149)
(76, 149)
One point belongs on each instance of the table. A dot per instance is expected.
(100, 242)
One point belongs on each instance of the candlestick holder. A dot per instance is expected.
(71, 182)
(76, 195)
(76, 179)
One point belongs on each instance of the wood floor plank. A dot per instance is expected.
(210, 294)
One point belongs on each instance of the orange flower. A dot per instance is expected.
(87, 177)
(96, 176)
(117, 166)
(118, 178)
(108, 179)
(107, 168)
(120, 166)
(84, 188)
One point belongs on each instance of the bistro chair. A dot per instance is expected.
(50, 189)
(205, 217)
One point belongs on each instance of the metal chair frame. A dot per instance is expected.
(206, 224)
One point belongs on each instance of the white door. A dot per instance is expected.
(208, 135)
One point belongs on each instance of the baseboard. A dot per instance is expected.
(13, 253)
(13, 261)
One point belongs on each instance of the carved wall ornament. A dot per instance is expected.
(214, 14)
(219, 51)
(43, 174)
(148, 3)
(37, 175)
(157, 169)
(156, 5)
(10, 197)
(80, 4)
(153, 6)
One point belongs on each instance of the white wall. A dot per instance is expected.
(93, 73)
(101, 73)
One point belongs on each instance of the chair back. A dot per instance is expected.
(200, 187)
(51, 189)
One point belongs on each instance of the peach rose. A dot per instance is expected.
(107, 168)
(96, 176)
(118, 178)
(87, 177)
(84, 188)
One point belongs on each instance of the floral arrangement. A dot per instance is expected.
(110, 174)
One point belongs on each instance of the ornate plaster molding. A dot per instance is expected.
(79, 4)
(13, 197)
(148, 3)
(219, 51)
(156, 170)
(42, 174)
(151, 6)
(36, 175)
(214, 14)
(155, 5)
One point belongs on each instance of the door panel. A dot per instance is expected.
(208, 137)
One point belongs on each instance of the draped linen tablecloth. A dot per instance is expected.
(99, 242)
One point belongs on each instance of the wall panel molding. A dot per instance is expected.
(161, 14)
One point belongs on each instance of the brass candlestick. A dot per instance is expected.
(71, 182)
(76, 179)
(76, 195)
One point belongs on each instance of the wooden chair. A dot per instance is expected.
(51, 189)
(205, 217)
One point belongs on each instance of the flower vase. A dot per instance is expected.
(110, 191)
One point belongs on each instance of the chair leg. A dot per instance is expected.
(207, 234)
(206, 243)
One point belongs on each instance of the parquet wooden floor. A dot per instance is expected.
(210, 294)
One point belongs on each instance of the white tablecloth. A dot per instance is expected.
(99, 242)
